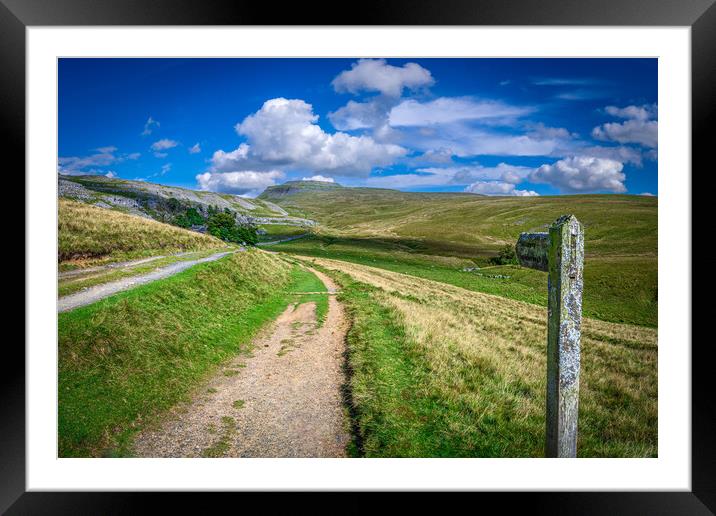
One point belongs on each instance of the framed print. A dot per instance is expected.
(427, 248)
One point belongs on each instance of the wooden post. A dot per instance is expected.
(561, 253)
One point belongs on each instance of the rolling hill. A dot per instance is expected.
(88, 235)
(163, 203)
(451, 237)
(472, 224)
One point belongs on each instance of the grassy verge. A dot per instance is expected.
(90, 236)
(616, 288)
(430, 380)
(125, 359)
(305, 281)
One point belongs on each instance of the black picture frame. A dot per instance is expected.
(700, 15)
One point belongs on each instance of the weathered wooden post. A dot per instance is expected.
(561, 253)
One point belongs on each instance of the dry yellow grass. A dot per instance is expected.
(486, 359)
(90, 235)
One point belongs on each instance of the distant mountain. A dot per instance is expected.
(328, 203)
(165, 203)
(293, 187)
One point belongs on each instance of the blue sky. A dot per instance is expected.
(490, 126)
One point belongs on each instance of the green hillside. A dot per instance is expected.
(437, 235)
(125, 360)
(278, 192)
(179, 206)
(90, 236)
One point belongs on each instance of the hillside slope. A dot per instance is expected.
(614, 224)
(88, 235)
(439, 371)
(164, 203)
(452, 236)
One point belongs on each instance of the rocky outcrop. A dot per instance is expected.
(164, 203)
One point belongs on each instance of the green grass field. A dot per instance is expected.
(278, 231)
(427, 380)
(305, 281)
(615, 289)
(126, 359)
(470, 226)
(436, 236)
(441, 361)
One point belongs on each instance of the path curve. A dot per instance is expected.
(284, 400)
(98, 292)
(287, 239)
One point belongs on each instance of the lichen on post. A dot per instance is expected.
(565, 285)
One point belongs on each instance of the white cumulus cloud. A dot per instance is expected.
(624, 154)
(464, 141)
(399, 181)
(643, 132)
(645, 112)
(444, 176)
(360, 115)
(284, 134)
(378, 75)
(93, 163)
(195, 149)
(322, 179)
(164, 144)
(467, 174)
(582, 174)
(243, 182)
(149, 126)
(539, 130)
(446, 110)
(498, 188)
(639, 126)
(222, 161)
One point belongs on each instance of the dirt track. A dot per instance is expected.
(284, 400)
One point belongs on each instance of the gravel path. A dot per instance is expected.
(93, 294)
(283, 399)
(287, 239)
(116, 265)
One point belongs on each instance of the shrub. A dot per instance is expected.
(173, 204)
(506, 256)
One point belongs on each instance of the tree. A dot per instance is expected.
(191, 217)
(173, 204)
(223, 225)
